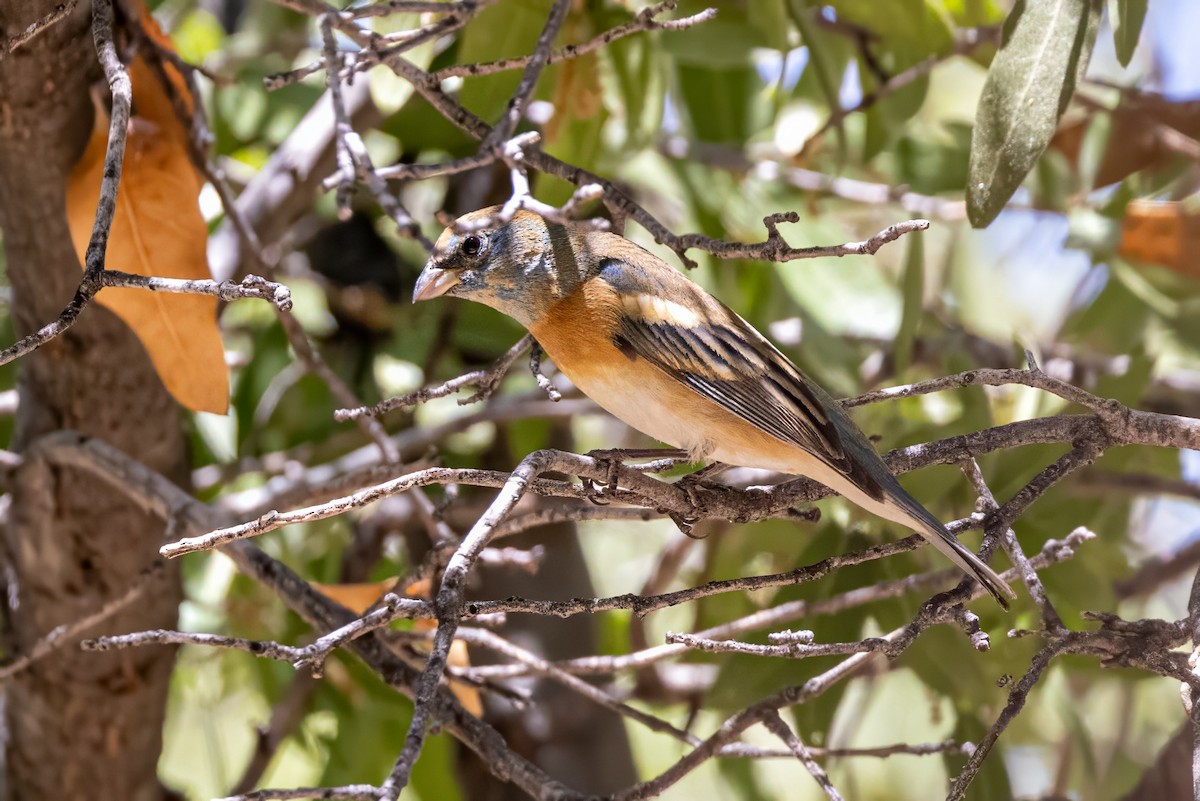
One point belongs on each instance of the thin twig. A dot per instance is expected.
(486, 383)
(789, 650)
(106, 206)
(8, 44)
(776, 726)
(347, 792)
(449, 603)
(507, 125)
(388, 7)
(1054, 552)
(1050, 617)
(251, 286)
(645, 21)
(1016, 702)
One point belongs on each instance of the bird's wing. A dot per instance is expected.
(701, 343)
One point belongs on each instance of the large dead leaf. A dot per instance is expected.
(1162, 232)
(157, 230)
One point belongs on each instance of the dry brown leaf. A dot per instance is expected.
(1162, 232)
(466, 694)
(1137, 139)
(360, 597)
(157, 230)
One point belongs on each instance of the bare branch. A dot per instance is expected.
(1050, 616)
(1053, 552)
(449, 603)
(251, 287)
(542, 667)
(118, 642)
(419, 172)
(789, 650)
(614, 198)
(486, 383)
(389, 7)
(312, 656)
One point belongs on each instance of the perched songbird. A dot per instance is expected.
(667, 358)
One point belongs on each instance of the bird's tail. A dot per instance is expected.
(924, 523)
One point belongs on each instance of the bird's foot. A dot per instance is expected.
(595, 491)
(693, 483)
(613, 459)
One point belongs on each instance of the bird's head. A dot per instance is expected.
(509, 266)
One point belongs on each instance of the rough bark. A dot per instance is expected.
(77, 725)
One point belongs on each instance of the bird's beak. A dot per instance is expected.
(434, 282)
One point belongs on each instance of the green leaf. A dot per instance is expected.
(724, 41)
(913, 301)
(934, 164)
(824, 62)
(770, 19)
(1126, 18)
(637, 64)
(1046, 49)
(724, 105)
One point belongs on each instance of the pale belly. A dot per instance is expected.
(646, 399)
(645, 404)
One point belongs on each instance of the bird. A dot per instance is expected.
(660, 353)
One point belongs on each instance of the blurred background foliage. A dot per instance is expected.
(711, 129)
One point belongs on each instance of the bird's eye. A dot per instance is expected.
(472, 246)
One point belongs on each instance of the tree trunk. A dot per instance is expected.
(77, 725)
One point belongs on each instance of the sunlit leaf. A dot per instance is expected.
(498, 31)
(389, 90)
(1047, 47)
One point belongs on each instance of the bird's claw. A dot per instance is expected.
(695, 484)
(686, 524)
(597, 491)
(594, 491)
(691, 487)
